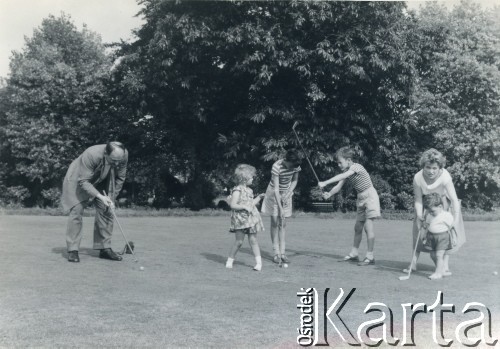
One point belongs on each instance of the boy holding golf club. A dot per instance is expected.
(367, 203)
(245, 217)
(278, 200)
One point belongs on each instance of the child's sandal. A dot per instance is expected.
(349, 258)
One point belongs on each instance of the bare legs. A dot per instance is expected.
(278, 236)
(252, 239)
(367, 226)
(438, 258)
(413, 265)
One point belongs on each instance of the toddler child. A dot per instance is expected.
(439, 223)
(245, 218)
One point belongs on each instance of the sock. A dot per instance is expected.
(258, 266)
(369, 255)
(354, 252)
(229, 263)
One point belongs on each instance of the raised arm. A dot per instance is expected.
(337, 178)
(334, 190)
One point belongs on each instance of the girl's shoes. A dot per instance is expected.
(367, 261)
(284, 259)
(276, 259)
(447, 273)
(350, 258)
(435, 276)
(258, 267)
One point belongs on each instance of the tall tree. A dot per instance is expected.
(457, 99)
(225, 81)
(56, 106)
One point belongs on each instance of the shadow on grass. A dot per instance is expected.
(220, 259)
(86, 251)
(292, 253)
(382, 264)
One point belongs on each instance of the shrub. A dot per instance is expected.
(387, 201)
(404, 201)
(51, 197)
(14, 196)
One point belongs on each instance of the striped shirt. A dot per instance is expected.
(284, 174)
(360, 180)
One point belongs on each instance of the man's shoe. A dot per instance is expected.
(367, 261)
(108, 253)
(73, 256)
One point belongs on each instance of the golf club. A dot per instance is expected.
(280, 227)
(303, 150)
(406, 277)
(121, 230)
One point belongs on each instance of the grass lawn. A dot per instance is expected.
(186, 298)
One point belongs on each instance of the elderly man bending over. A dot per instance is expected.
(100, 168)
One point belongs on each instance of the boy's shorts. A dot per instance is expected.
(368, 205)
(437, 241)
(270, 206)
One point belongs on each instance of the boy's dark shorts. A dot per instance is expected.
(438, 241)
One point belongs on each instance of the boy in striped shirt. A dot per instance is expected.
(367, 203)
(277, 202)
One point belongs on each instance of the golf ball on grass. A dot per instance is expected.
(141, 268)
(285, 265)
(495, 273)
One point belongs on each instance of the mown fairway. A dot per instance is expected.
(186, 298)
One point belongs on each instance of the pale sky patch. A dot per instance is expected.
(112, 19)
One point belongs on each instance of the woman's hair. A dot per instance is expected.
(432, 156)
(243, 173)
(292, 156)
(432, 200)
(346, 153)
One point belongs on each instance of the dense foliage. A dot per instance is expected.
(209, 84)
(52, 105)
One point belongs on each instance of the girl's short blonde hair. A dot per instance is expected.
(432, 156)
(243, 173)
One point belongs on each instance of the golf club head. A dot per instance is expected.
(128, 250)
(406, 277)
(295, 125)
